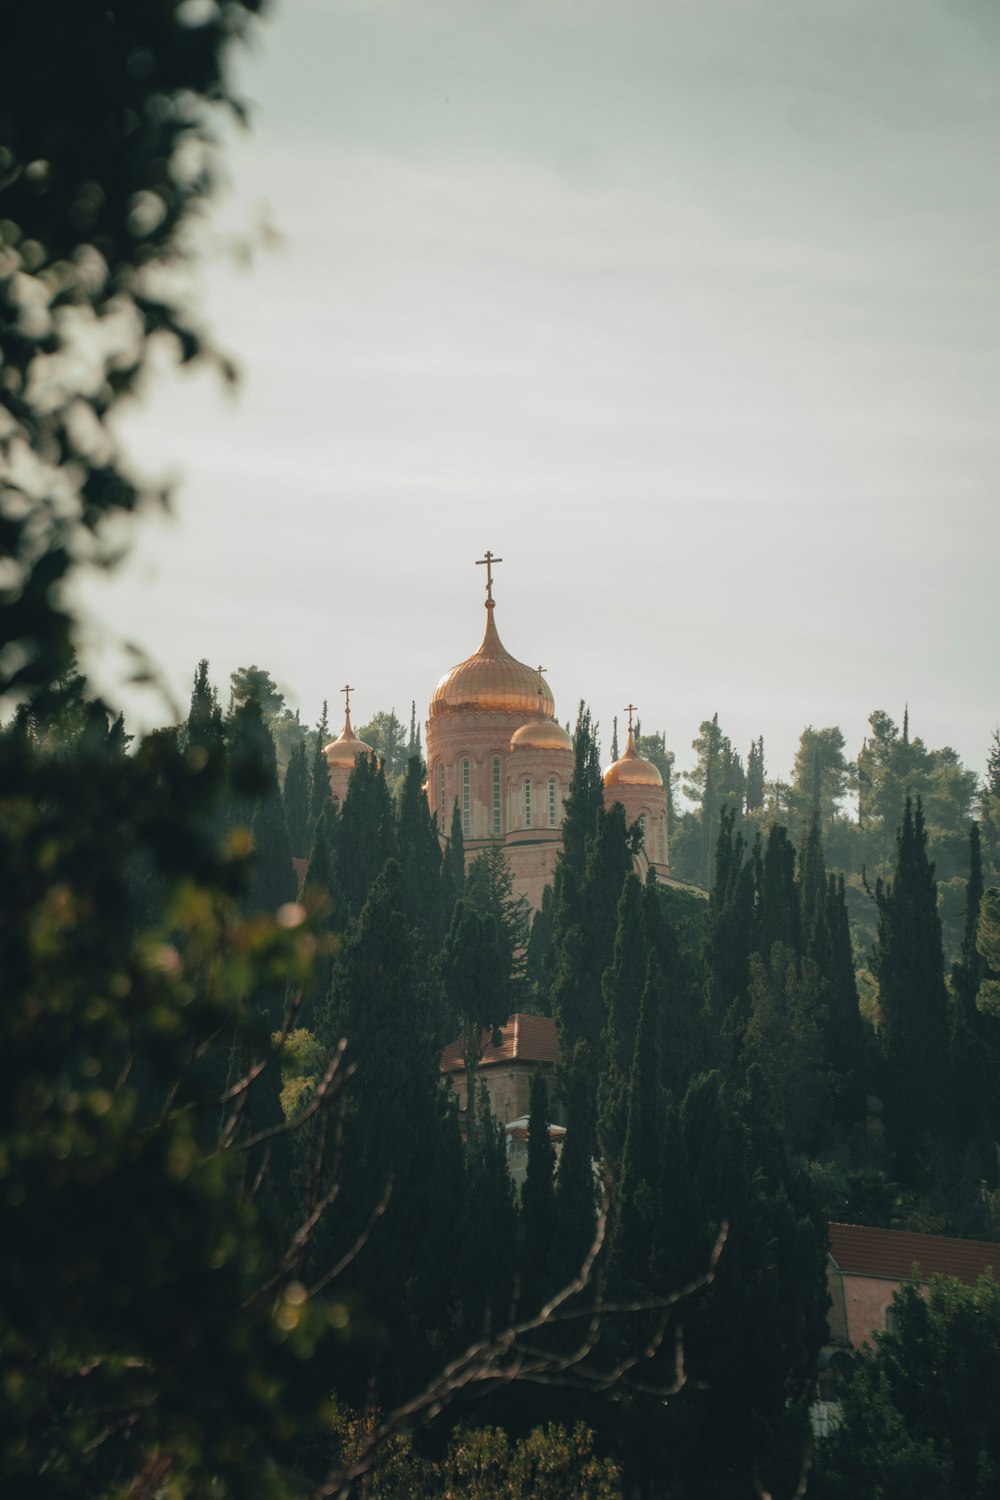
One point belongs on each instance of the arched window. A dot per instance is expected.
(552, 801)
(466, 798)
(642, 830)
(497, 802)
(442, 805)
(527, 804)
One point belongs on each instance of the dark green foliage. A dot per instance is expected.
(489, 1230)
(538, 1219)
(751, 1339)
(319, 771)
(475, 977)
(730, 934)
(402, 1137)
(638, 1173)
(420, 858)
(453, 866)
(908, 965)
(778, 917)
(622, 989)
(919, 1408)
(754, 799)
(296, 800)
(576, 1197)
(366, 835)
(716, 784)
(489, 890)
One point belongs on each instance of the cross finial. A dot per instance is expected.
(541, 687)
(630, 709)
(347, 690)
(488, 562)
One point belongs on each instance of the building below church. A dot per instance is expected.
(495, 749)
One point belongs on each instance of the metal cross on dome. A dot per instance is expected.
(347, 690)
(488, 562)
(630, 709)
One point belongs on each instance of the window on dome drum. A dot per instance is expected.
(442, 809)
(497, 819)
(527, 804)
(642, 830)
(552, 801)
(466, 800)
(663, 837)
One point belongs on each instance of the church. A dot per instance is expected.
(495, 748)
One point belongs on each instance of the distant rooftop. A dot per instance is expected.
(524, 1039)
(858, 1250)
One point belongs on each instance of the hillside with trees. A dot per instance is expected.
(248, 1248)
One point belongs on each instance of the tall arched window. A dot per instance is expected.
(642, 830)
(497, 802)
(552, 801)
(466, 798)
(527, 804)
(442, 805)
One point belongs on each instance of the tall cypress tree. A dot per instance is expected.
(420, 858)
(488, 1248)
(365, 834)
(453, 866)
(538, 1212)
(908, 964)
(731, 935)
(398, 1130)
(319, 778)
(622, 990)
(631, 1229)
(296, 800)
(755, 776)
(777, 896)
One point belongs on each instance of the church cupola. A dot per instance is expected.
(342, 752)
(637, 785)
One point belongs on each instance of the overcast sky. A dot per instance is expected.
(689, 311)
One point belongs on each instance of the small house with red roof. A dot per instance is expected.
(867, 1266)
(510, 1059)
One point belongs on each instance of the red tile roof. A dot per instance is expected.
(524, 1039)
(858, 1250)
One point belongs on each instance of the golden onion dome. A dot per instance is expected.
(342, 752)
(541, 733)
(632, 770)
(492, 679)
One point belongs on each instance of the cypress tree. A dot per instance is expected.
(630, 1233)
(622, 991)
(296, 799)
(476, 980)
(908, 964)
(488, 1251)
(777, 896)
(731, 935)
(575, 1189)
(453, 866)
(538, 1212)
(365, 834)
(319, 778)
(398, 1129)
(974, 1036)
(845, 1038)
(755, 776)
(420, 858)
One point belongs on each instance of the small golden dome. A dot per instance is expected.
(541, 733)
(492, 679)
(342, 752)
(632, 770)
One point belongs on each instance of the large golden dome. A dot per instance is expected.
(632, 770)
(342, 752)
(492, 679)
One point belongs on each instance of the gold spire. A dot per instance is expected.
(488, 562)
(345, 749)
(631, 769)
(491, 679)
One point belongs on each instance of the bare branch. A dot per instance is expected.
(507, 1357)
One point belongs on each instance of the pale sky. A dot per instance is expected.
(689, 311)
